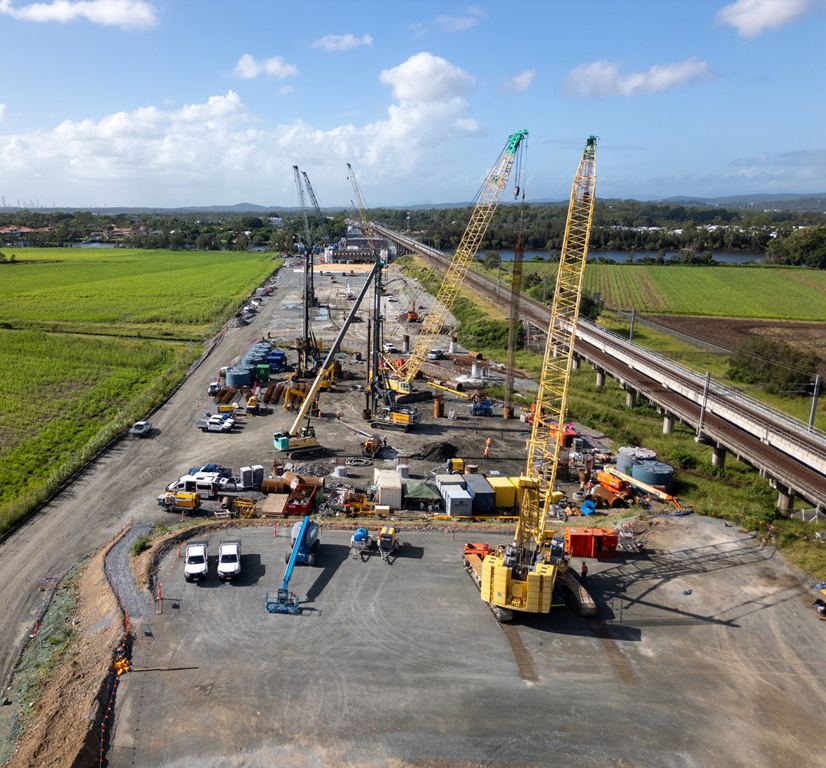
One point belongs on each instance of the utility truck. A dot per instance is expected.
(196, 565)
(229, 559)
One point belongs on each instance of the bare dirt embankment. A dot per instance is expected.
(64, 731)
(731, 332)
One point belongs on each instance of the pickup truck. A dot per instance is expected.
(213, 424)
(229, 559)
(196, 565)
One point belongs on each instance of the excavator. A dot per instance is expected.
(521, 576)
(485, 206)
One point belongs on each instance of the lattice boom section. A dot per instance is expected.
(552, 396)
(488, 200)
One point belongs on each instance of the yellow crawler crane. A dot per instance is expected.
(522, 575)
(486, 203)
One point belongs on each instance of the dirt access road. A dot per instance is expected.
(122, 483)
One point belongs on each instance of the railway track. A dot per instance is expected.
(781, 448)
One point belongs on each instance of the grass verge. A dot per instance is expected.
(737, 493)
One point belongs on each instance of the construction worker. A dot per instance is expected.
(583, 574)
(487, 447)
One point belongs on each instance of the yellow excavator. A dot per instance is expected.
(521, 576)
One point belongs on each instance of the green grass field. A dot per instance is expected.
(126, 292)
(65, 397)
(90, 341)
(767, 292)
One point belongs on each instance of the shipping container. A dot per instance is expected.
(505, 492)
(457, 501)
(483, 496)
(389, 487)
(444, 480)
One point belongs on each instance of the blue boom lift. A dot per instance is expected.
(304, 545)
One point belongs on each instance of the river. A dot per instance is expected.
(723, 257)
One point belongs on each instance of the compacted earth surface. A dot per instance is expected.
(705, 652)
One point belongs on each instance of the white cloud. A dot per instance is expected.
(129, 14)
(341, 42)
(285, 90)
(521, 82)
(603, 78)
(248, 67)
(751, 17)
(217, 150)
(470, 18)
(2, 112)
(425, 77)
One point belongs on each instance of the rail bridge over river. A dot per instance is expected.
(789, 454)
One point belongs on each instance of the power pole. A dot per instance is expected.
(513, 329)
(703, 406)
(813, 412)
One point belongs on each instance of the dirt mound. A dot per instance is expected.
(67, 717)
(441, 451)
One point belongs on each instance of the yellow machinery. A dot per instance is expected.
(522, 575)
(486, 204)
(243, 506)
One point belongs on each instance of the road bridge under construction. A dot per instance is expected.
(788, 453)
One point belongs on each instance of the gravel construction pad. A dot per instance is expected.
(403, 664)
(134, 601)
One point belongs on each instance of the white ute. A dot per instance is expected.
(215, 424)
(196, 566)
(229, 559)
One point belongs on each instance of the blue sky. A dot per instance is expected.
(199, 102)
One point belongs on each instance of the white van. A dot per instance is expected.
(207, 484)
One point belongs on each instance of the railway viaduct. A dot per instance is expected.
(790, 455)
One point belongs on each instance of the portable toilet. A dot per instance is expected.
(245, 474)
(257, 475)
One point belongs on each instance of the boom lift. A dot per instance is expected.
(304, 544)
(521, 576)
(487, 201)
(300, 440)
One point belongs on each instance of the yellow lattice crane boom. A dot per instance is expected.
(521, 576)
(486, 202)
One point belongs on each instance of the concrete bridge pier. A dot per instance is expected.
(718, 456)
(576, 362)
(668, 423)
(785, 499)
(600, 378)
(630, 398)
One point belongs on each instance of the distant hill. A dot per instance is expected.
(766, 201)
(780, 201)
